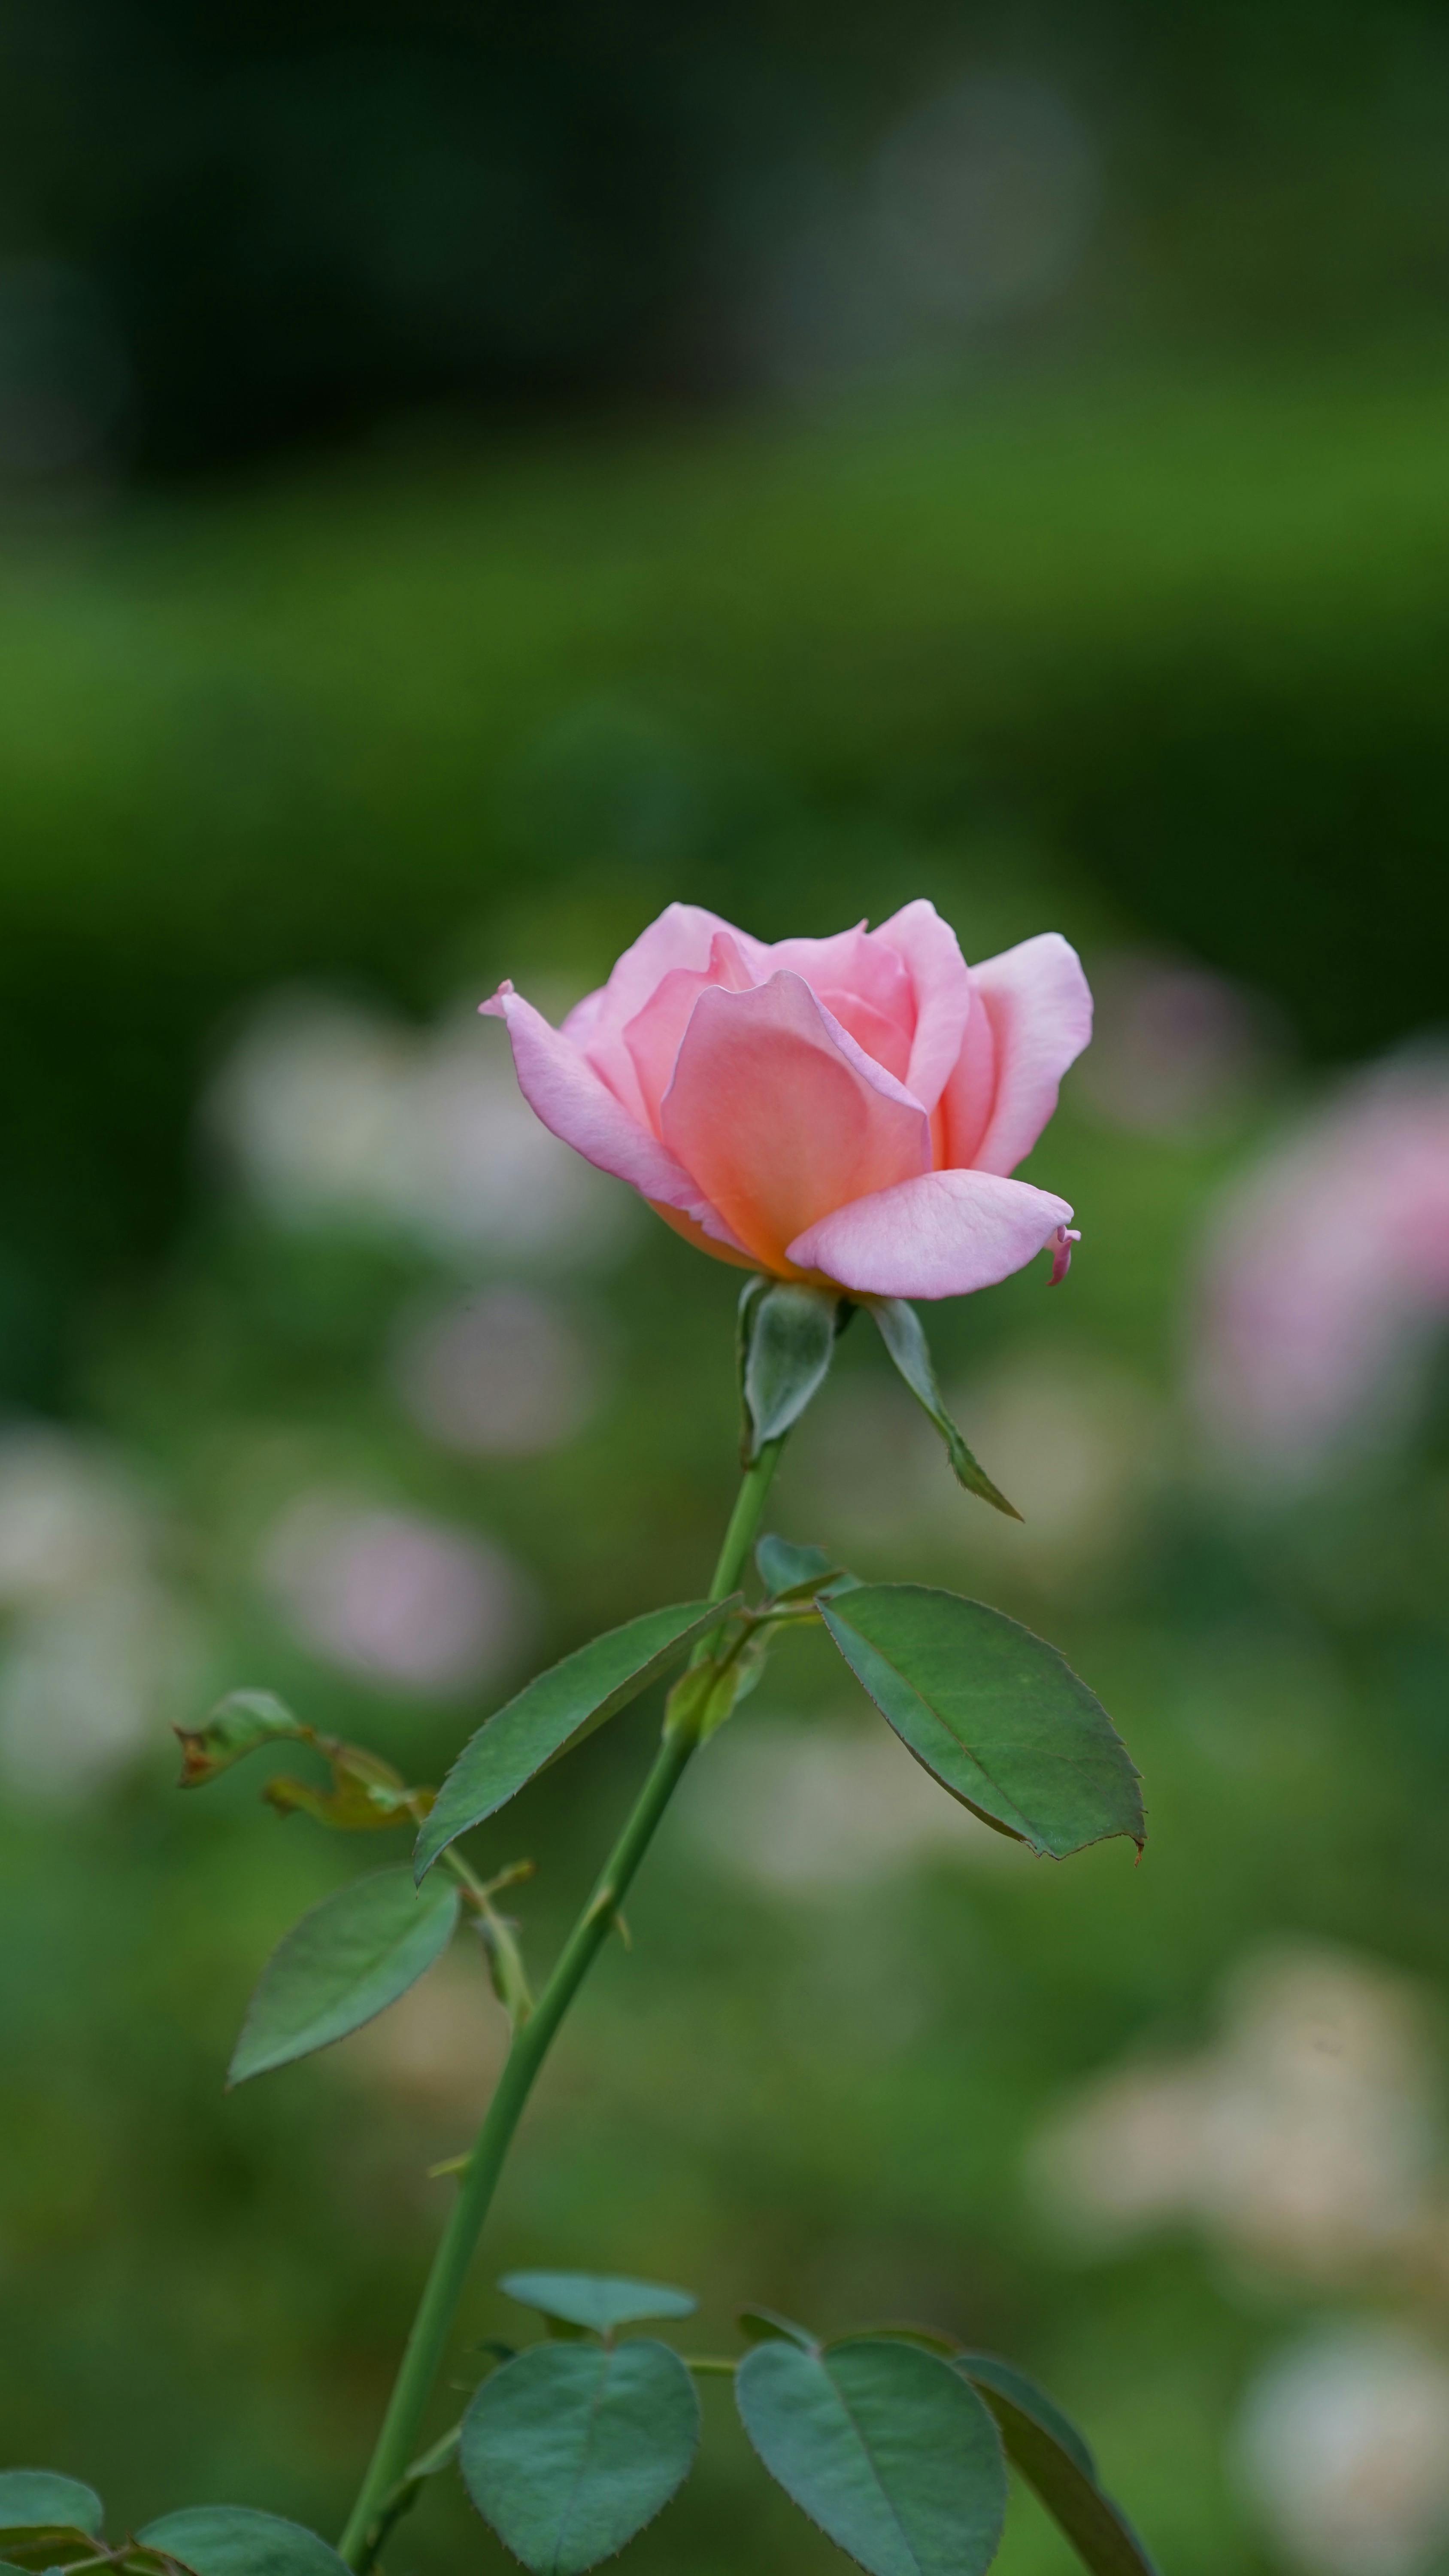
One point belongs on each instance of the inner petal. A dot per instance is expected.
(970, 1093)
(881, 1037)
(775, 1123)
(683, 936)
(654, 1035)
(855, 961)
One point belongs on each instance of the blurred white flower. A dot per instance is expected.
(330, 1111)
(86, 1683)
(1175, 1049)
(1309, 2137)
(499, 1373)
(1326, 1274)
(986, 194)
(95, 1653)
(978, 205)
(392, 1595)
(68, 1515)
(1077, 1443)
(1344, 2446)
(805, 1810)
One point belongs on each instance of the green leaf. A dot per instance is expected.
(989, 2374)
(766, 2325)
(367, 1795)
(926, 2336)
(227, 2540)
(789, 1336)
(554, 1712)
(1054, 2459)
(572, 2448)
(994, 1713)
(236, 1726)
(55, 2546)
(29, 2546)
(785, 1569)
(44, 2496)
(709, 1692)
(595, 2299)
(346, 1961)
(869, 2439)
(904, 1336)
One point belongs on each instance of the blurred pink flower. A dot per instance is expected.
(391, 1595)
(845, 1110)
(500, 1373)
(1176, 1049)
(1327, 1269)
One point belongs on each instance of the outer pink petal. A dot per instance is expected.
(938, 971)
(681, 937)
(778, 1116)
(939, 1236)
(1040, 1008)
(567, 1094)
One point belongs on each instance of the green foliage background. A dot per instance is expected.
(1152, 649)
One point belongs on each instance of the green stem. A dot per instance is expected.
(744, 1521)
(397, 2441)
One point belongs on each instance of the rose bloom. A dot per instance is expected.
(845, 1111)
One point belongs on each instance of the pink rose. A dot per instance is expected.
(844, 1111)
(1327, 1275)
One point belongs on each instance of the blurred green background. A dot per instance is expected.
(467, 479)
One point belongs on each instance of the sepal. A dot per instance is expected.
(903, 1334)
(787, 1335)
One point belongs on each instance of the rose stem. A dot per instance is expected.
(432, 2325)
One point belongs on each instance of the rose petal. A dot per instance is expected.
(654, 1036)
(966, 1103)
(713, 1238)
(778, 1116)
(852, 961)
(563, 1089)
(681, 937)
(883, 1039)
(939, 1236)
(1039, 1007)
(942, 985)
